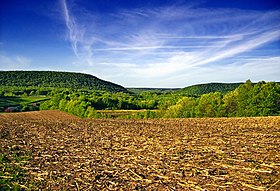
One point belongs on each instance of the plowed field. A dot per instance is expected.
(68, 153)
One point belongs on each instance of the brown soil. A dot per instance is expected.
(162, 154)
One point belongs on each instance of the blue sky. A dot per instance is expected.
(152, 43)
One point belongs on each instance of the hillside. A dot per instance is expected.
(56, 80)
(194, 90)
(199, 89)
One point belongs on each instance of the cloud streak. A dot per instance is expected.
(81, 45)
(73, 35)
(156, 43)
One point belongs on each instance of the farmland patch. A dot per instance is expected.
(160, 154)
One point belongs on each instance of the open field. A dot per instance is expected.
(67, 153)
(9, 101)
(118, 113)
(124, 114)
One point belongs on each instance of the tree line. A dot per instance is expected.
(248, 99)
(199, 89)
(261, 99)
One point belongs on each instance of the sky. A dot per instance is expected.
(151, 43)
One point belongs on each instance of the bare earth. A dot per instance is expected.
(162, 154)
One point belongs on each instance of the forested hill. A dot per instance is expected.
(56, 80)
(197, 90)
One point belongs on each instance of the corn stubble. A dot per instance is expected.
(161, 154)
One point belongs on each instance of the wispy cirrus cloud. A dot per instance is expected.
(74, 34)
(81, 44)
(259, 68)
(156, 43)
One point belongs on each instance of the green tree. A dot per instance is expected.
(244, 94)
(91, 113)
(265, 99)
(230, 104)
(210, 105)
(62, 105)
(185, 107)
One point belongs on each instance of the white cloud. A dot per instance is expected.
(81, 44)
(267, 69)
(14, 63)
(149, 45)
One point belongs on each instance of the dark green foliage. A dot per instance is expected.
(261, 99)
(248, 99)
(192, 91)
(84, 103)
(56, 80)
(198, 90)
